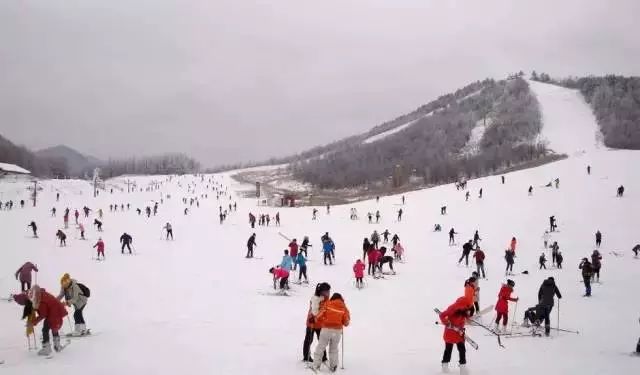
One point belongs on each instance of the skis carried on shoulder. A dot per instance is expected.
(467, 339)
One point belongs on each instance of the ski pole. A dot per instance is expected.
(558, 323)
(70, 326)
(342, 346)
(513, 320)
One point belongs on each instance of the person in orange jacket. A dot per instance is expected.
(453, 319)
(333, 317)
(470, 291)
(502, 306)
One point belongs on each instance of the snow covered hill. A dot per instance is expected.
(197, 305)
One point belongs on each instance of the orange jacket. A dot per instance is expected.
(311, 319)
(333, 314)
(470, 293)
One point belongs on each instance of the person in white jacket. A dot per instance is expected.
(321, 295)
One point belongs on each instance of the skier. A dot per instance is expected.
(52, 312)
(395, 239)
(596, 262)
(370, 217)
(502, 179)
(358, 270)
(62, 237)
(559, 259)
(328, 209)
(587, 274)
(466, 196)
(398, 250)
(452, 238)
(34, 228)
(372, 257)
(476, 239)
(252, 218)
(169, 230)
(530, 191)
(98, 223)
(100, 213)
(443, 210)
(453, 320)
(100, 247)
(533, 316)
(620, 191)
(293, 252)
(480, 193)
(366, 246)
(636, 250)
(53, 212)
(509, 258)
(304, 245)
(476, 294)
(543, 260)
(385, 259)
(375, 239)
(377, 216)
(598, 239)
(512, 245)
(57, 197)
(81, 228)
(466, 250)
(251, 243)
(400, 214)
(552, 224)
(403, 200)
(77, 295)
(554, 253)
(502, 306)
(333, 317)
(319, 298)
(315, 214)
(277, 215)
(281, 274)
(545, 238)
(86, 211)
(65, 220)
(287, 262)
(327, 248)
(301, 261)
(557, 182)
(437, 228)
(126, 240)
(385, 236)
(23, 274)
(76, 214)
(588, 169)
(479, 256)
(547, 291)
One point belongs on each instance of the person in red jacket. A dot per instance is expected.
(52, 312)
(100, 246)
(358, 270)
(293, 252)
(373, 257)
(453, 319)
(479, 257)
(502, 306)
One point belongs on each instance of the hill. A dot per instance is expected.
(77, 163)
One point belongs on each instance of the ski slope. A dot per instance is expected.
(196, 304)
(390, 132)
(569, 125)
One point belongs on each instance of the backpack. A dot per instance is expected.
(84, 290)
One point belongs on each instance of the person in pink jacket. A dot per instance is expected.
(100, 246)
(24, 275)
(398, 250)
(358, 270)
(81, 228)
(283, 275)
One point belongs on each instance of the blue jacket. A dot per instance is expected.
(287, 262)
(300, 260)
(327, 246)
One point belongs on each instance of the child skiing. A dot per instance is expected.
(502, 306)
(453, 320)
(100, 246)
(398, 250)
(358, 270)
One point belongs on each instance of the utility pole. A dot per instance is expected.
(35, 192)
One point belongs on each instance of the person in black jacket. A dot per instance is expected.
(126, 240)
(587, 273)
(636, 250)
(251, 243)
(304, 245)
(466, 250)
(34, 228)
(598, 239)
(366, 245)
(546, 293)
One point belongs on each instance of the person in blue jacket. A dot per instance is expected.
(327, 248)
(287, 262)
(302, 262)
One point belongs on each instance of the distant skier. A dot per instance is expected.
(395, 239)
(502, 306)
(598, 239)
(385, 236)
(552, 224)
(251, 243)
(358, 270)
(169, 231)
(277, 215)
(304, 246)
(370, 217)
(452, 237)
(98, 224)
(587, 274)
(545, 238)
(62, 237)
(377, 217)
(555, 249)
(546, 293)
(315, 214)
(596, 262)
(559, 259)
(476, 238)
(403, 200)
(398, 251)
(57, 197)
(23, 274)
(466, 196)
(53, 212)
(557, 182)
(480, 193)
(466, 250)
(328, 209)
(588, 169)
(34, 229)
(301, 261)
(443, 210)
(502, 179)
(375, 239)
(479, 257)
(281, 274)
(100, 247)
(509, 258)
(636, 250)
(75, 294)
(453, 319)
(126, 241)
(543, 261)
(437, 228)
(620, 191)
(530, 191)
(52, 312)
(400, 214)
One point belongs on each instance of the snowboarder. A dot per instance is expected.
(319, 298)
(466, 250)
(479, 256)
(62, 237)
(251, 243)
(77, 295)
(453, 320)
(23, 274)
(100, 247)
(587, 274)
(509, 258)
(52, 312)
(502, 306)
(452, 238)
(546, 293)
(34, 228)
(358, 270)
(98, 224)
(542, 261)
(281, 274)
(598, 239)
(333, 317)
(596, 262)
(301, 261)
(126, 240)
(169, 230)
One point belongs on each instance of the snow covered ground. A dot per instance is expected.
(195, 304)
(397, 129)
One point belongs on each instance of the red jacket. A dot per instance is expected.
(479, 256)
(293, 249)
(50, 309)
(504, 296)
(373, 256)
(455, 315)
(358, 269)
(100, 246)
(513, 245)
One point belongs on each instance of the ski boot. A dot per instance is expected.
(333, 368)
(56, 344)
(46, 349)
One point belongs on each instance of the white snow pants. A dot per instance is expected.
(330, 337)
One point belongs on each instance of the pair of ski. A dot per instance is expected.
(474, 322)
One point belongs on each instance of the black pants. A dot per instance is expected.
(127, 245)
(480, 268)
(25, 285)
(546, 316)
(327, 255)
(283, 282)
(542, 265)
(250, 252)
(596, 273)
(371, 269)
(304, 250)
(462, 352)
(477, 306)
(45, 332)
(78, 318)
(587, 285)
(559, 264)
(303, 272)
(169, 233)
(598, 242)
(509, 267)
(308, 340)
(358, 280)
(464, 256)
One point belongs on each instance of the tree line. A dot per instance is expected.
(38, 166)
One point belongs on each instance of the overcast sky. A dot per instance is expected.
(237, 80)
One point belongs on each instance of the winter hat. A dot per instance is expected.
(65, 278)
(271, 270)
(511, 283)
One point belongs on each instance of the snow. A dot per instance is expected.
(473, 145)
(194, 304)
(6, 167)
(397, 129)
(569, 124)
